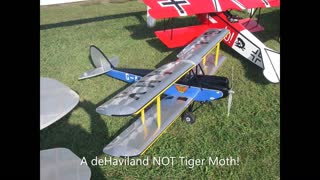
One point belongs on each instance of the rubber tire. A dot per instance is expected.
(189, 117)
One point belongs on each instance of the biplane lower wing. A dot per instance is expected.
(136, 139)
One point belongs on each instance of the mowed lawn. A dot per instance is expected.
(251, 132)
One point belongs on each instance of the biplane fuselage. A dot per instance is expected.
(210, 87)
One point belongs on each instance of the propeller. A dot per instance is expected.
(231, 92)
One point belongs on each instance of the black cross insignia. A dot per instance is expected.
(256, 56)
(176, 4)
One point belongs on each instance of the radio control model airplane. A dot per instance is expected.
(216, 14)
(159, 96)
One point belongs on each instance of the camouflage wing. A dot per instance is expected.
(141, 93)
(199, 47)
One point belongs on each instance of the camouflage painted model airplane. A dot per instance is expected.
(162, 95)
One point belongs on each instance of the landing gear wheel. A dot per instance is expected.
(189, 117)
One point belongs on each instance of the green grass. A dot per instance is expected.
(251, 132)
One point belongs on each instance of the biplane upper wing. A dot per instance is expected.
(174, 8)
(141, 93)
(199, 47)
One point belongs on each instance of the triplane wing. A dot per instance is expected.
(175, 8)
(216, 14)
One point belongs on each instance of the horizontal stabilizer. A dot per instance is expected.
(98, 71)
(93, 72)
(272, 66)
(138, 137)
(101, 62)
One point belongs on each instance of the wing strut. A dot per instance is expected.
(158, 112)
(251, 17)
(170, 25)
(142, 116)
(204, 59)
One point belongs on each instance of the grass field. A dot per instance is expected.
(251, 132)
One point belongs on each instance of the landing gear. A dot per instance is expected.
(188, 117)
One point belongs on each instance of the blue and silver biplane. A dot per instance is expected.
(160, 96)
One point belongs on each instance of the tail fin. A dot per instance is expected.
(272, 66)
(101, 62)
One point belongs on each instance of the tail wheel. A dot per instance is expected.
(189, 117)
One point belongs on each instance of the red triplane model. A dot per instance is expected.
(216, 14)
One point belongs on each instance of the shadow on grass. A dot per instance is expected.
(170, 58)
(91, 20)
(271, 23)
(141, 31)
